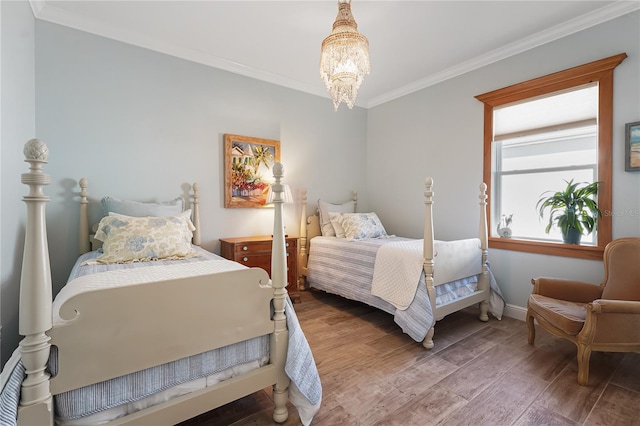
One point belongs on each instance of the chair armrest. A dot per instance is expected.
(612, 324)
(614, 306)
(569, 290)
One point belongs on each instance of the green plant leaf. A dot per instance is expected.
(573, 207)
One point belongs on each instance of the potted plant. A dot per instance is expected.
(573, 210)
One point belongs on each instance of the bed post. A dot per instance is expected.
(195, 211)
(279, 339)
(84, 244)
(35, 293)
(428, 257)
(302, 256)
(484, 283)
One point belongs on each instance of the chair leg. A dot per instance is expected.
(532, 328)
(584, 355)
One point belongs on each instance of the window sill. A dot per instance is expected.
(548, 248)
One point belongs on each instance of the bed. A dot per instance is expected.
(419, 281)
(108, 330)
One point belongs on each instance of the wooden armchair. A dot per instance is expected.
(603, 317)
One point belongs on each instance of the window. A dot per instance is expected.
(539, 133)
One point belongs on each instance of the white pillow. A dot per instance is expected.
(358, 226)
(134, 239)
(186, 213)
(324, 208)
(138, 209)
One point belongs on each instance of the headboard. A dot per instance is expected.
(87, 242)
(309, 228)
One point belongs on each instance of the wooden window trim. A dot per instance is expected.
(600, 71)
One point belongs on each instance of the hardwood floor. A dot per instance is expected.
(477, 374)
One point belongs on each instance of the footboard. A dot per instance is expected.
(155, 323)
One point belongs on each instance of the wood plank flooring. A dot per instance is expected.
(477, 374)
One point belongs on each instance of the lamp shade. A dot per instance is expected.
(287, 196)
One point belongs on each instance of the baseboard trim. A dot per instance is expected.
(516, 312)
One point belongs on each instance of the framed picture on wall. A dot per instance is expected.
(247, 169)
(632, 147)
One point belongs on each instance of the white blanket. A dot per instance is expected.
(399, 264)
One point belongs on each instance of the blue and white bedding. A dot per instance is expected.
(122, 395)
(346, 268)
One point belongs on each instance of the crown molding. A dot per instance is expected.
(46, 10)
(580, 23)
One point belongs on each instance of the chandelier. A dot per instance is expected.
(344, 61)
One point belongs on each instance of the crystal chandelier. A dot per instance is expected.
(344, 61)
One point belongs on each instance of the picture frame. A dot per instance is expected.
(632, 147)
(247, 170)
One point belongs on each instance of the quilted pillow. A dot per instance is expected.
(133, 239)
(324, 208)
(137, 209)
(358, 226)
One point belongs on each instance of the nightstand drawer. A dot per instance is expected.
(254, 261)
(253, 247)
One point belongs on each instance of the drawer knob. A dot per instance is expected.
(245, 258)
(245, 248)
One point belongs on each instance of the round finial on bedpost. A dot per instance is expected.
(195, 189)
(84, 241)
(483, 192)
(277, 187)
(36, 154)
(428, 193)
(278, 171)
(35, 150)
(195, 213)
(84, 184)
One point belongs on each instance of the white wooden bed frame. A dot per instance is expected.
(224, 308)
(310, 227)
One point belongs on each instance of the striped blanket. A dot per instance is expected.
(345, 268)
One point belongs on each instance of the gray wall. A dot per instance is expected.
(17, 124)
(438, 132)
(143, 125)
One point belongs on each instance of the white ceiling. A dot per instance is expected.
(413, 44)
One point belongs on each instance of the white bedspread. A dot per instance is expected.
(398, 267)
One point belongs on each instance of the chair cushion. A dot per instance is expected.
(567, 316)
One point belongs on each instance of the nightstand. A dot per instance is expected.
(256, 252)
